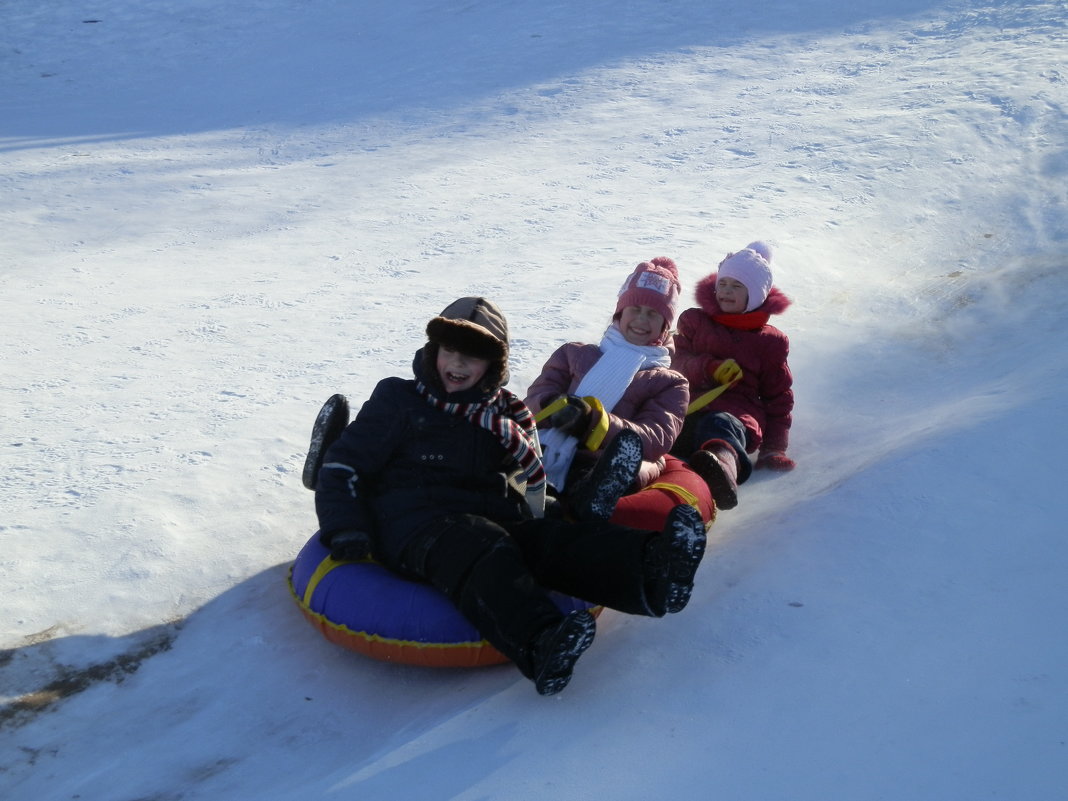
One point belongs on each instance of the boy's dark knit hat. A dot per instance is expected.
(476, 327)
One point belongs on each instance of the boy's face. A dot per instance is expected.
(458, 371)
(731, 295)
(641, 325)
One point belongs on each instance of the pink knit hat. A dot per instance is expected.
(752, 268)
(654, 284)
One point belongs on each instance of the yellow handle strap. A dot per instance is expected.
(727, 374)
(600, 431)
(551, 409)
(707, 398)
(325, 566)
(681, 493)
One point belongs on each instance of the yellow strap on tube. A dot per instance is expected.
(727, 374)
(681, 493)
(325, 566)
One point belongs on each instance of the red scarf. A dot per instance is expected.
(746, 321)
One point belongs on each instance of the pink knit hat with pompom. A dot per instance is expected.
(752, 268)
(654, 284)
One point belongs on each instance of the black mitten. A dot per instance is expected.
(574, 418)
(348, 546)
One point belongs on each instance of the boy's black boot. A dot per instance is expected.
(717, 463)
(556, 650)
(672, 559)
(332, 420)
(594, 497)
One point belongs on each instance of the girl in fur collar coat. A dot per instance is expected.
(728, 341)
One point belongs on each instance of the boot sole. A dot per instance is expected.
(329, 423)
(685, 550)
(570, 640)
(724, 491)
(613, 475)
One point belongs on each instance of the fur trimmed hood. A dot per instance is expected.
(474, 326)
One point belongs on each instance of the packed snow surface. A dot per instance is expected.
(216, 215)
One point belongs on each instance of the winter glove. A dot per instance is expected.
(775, 460)
(574, 418)
(726, 371)
(349, 546)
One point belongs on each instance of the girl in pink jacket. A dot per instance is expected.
(628, 376)
(727, 342)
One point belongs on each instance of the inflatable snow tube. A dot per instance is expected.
(366, 608)
(649, 507)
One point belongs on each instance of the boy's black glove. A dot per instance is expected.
(348, 546)
(574, 418)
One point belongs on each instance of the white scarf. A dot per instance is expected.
(607, 380)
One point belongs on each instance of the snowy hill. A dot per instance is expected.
(216, 215)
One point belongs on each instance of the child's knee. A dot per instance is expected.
(446, 554)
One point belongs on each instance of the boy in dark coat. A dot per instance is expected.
(728, 342)
(425, 477)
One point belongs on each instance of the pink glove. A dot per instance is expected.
(775, 460)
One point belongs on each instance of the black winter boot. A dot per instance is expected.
(556, 650)
(595, 496)
(717, 463)
(332, 420)
(671, 561)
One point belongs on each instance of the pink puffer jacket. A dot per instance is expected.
(654, 405)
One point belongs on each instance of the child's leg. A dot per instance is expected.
(593, 496)
(727, 427)
(479, 567)
(597, 561)
(630, 570)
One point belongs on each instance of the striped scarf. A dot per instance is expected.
(508, 418)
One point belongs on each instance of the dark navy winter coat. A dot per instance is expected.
(402, 464)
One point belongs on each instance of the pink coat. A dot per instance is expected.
(654, 405)
(764, 399)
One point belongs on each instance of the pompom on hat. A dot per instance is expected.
(752, 268)
(654, 284)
